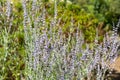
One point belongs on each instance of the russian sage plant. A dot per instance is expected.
(52, 56)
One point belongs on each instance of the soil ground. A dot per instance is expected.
(116, 67)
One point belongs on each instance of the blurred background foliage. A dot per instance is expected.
(87, 15)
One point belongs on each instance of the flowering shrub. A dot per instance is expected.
(35, 46)
(53, 56)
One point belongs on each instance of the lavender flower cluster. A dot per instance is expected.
(52, 56)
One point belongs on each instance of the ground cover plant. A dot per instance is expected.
(41, 40)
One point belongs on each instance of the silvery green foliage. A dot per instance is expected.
(52, 56)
